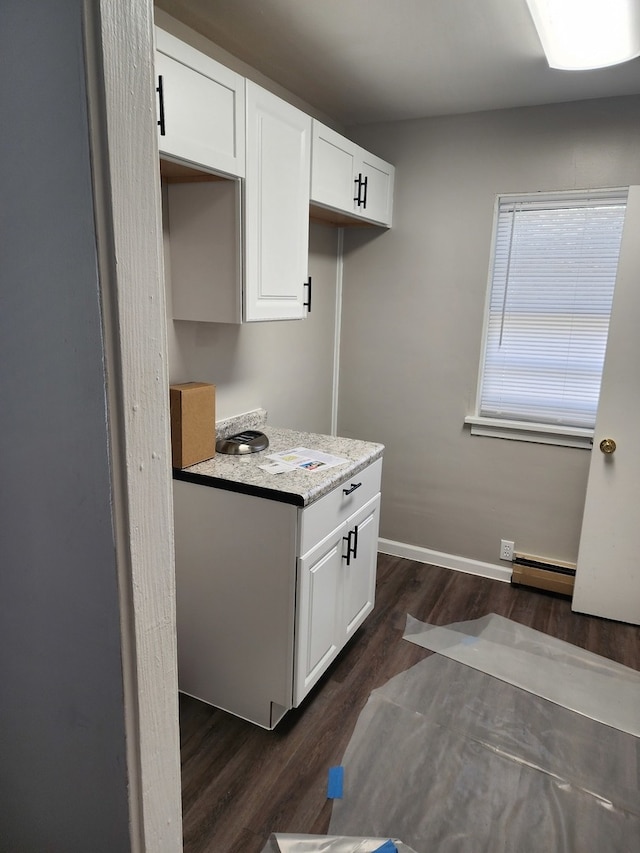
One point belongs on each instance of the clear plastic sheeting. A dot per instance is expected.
(565, 674)
(288, 843)
(453, 760)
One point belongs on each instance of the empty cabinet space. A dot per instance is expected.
(205, 248)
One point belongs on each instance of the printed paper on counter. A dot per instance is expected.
(307, 460)
(276, 467)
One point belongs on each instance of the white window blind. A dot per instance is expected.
(553, 276)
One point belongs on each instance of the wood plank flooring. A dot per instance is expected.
(241, 783)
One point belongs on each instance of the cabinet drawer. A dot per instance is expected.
(323, 516)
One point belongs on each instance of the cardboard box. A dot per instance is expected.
(193, 423)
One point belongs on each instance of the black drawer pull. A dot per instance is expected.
(352, 488)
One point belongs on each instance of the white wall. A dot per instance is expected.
(412, 321)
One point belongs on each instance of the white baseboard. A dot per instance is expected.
(446, 561)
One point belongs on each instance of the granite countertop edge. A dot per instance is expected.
(300, 488)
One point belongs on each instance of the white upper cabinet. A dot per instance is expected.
(240, 247)
(276, 207)
(201, 109)
(347, 179)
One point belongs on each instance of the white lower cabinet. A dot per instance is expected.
(336, 585)
(267, 593)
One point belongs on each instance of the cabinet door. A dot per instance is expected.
(333, 169)
(276, 207)
(359, 569)
(376, 194)
(201, 108)
(319, 619)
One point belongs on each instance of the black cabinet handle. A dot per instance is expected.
(307, 304)
(352, 488)
(364, 185)
(358, 181)
(352, 548)
(347, 556)
(160, 91)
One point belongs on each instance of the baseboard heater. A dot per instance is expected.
(541, 574)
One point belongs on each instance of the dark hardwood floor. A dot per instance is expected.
(241, 783)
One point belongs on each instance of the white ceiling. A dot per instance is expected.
(363, 61)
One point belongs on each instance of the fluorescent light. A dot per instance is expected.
(579, 34)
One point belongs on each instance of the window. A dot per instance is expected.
(551, 286)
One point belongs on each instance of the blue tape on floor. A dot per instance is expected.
(387, 847)
(336, 783)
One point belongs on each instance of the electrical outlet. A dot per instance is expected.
(506, 550)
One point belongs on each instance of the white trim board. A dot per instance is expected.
(337, 332)
(129, 237)
(446, 561)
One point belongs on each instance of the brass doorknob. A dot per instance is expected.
(607, 445)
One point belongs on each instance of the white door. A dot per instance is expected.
(608, 568)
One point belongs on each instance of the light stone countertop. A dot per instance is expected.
(240, 473)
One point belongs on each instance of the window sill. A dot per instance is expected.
(538, 433)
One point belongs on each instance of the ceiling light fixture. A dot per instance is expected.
(581, 34)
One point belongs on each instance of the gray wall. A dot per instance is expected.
(63, 774)
(285, 367)
(413, 314)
